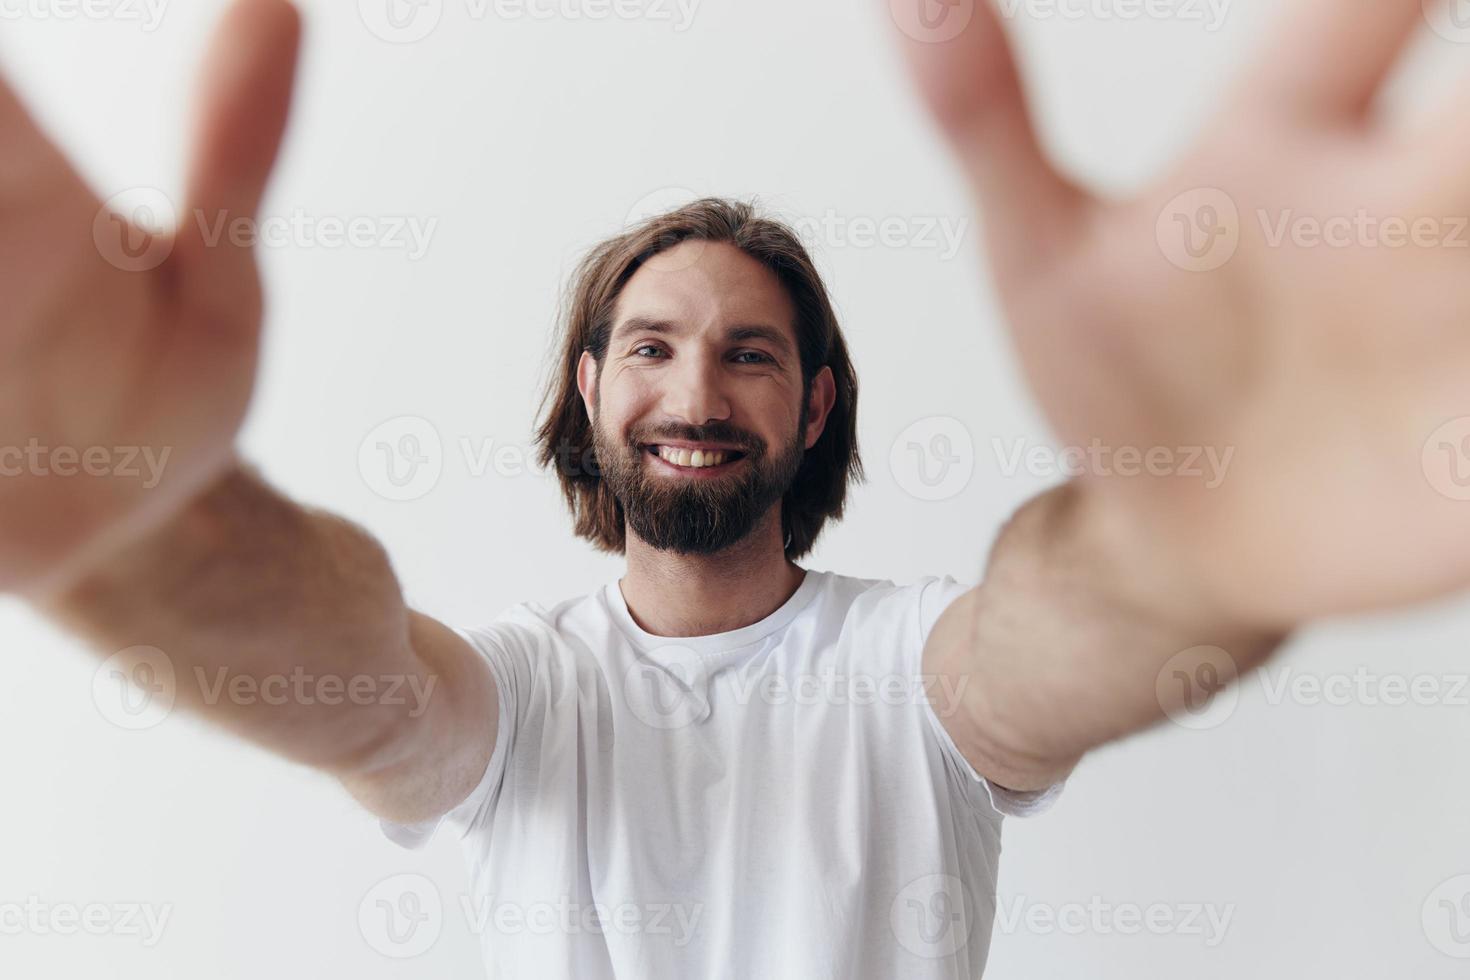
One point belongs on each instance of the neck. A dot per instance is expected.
(695, 595)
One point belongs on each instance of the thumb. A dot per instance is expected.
(963, 67)
(244, 99)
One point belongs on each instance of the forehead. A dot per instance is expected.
(706, 287)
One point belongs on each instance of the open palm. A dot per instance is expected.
(118, 347)
(1293, 296)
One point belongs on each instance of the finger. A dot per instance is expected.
(47, 213)
(1330, 57)
(975, 93)
(245, 96)
(25, 152)
(41, 193)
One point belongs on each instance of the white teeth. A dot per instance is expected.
(697, 458)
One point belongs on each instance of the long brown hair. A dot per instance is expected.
(564, 432)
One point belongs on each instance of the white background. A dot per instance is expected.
(1324, 829)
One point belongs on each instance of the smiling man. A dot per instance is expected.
(742, 744)
(723, 763)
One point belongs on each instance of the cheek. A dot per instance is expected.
(623, 407)
(776, 429)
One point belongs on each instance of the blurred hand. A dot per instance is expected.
(118, 351)
(1294, 293)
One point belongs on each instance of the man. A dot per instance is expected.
(651, 753)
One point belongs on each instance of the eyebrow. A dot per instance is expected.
(743, 331)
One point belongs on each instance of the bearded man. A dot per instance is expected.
(723, 763)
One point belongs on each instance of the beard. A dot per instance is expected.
(697, 516)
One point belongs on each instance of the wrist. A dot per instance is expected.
(82, 529)
(1155, 575)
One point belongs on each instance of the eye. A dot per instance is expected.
(761, 358)
(637, 351)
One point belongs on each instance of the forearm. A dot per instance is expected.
(283, 624)
(1074, 638)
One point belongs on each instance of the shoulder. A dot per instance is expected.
(883, 613)
(921, 600)
(538, 633)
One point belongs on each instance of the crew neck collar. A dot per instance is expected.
(713, 642)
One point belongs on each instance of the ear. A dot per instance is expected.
(587, 381)
(823, 397)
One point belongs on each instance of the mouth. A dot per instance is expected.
(694, 461)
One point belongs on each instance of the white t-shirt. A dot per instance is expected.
(776, 801)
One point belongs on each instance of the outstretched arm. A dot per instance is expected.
(113, 335)
(286, 626)
(1075, 638)
(1292, 297)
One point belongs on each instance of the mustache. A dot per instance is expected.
(743, 441)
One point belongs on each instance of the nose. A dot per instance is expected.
(695, 391)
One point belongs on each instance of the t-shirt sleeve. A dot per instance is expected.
(495, 646)
(935, 595)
